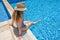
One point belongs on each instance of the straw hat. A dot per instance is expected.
(20, 6)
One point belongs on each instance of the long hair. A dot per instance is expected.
(16, 15)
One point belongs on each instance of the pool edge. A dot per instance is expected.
(10, 10)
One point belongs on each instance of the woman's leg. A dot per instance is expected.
(20, 33)
(19, 30)
(28, 24)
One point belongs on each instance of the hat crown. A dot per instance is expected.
(20, 5)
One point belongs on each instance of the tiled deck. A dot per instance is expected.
(9, 33)
(5, 33)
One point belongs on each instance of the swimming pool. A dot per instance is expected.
(49, 12)
(4, 14)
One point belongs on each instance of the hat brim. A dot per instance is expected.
(20, 9)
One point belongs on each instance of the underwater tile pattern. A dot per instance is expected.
(3, 13)
(15, 1)
(49, 12)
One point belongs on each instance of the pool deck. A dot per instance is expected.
(7, 32)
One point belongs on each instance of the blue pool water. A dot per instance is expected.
(46, 10)
(49, 12)
(4, 15)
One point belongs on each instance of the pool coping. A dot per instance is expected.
(10, 10)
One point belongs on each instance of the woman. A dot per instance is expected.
(17, 17)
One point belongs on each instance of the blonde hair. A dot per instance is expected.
(16, 15)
